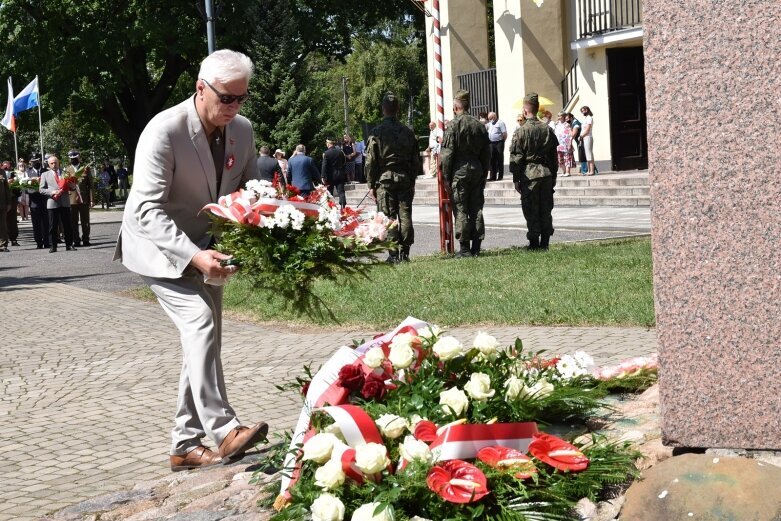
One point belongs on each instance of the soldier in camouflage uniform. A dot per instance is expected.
(534, 163)
(465, 156)
(392, 164)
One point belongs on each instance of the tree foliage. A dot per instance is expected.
(117, 63)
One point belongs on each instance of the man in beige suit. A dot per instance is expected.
(187, 157)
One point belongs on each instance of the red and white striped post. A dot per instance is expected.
(445, 208)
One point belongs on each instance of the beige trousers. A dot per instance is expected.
(202, 407)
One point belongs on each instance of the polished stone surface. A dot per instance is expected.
(716, 231)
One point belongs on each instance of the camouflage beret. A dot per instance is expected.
(532, 98)
(462, 95)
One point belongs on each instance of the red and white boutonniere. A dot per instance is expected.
(229, 162)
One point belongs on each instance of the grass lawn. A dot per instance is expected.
(601, 283)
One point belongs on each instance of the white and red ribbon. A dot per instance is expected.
(465, 440)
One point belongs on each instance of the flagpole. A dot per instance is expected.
(40, 122)
(16, 149)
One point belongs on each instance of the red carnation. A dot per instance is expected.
(373, 387)
(351, 377)
(305, 388)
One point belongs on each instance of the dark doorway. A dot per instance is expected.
(626, 88)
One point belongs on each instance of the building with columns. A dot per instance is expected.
(573, 52)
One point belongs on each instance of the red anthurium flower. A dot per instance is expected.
(505, 458)
(426, 431)
(557, 453)
(457, 481)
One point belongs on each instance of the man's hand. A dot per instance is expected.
(208, 263)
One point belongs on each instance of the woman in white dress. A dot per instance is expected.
(587, 136)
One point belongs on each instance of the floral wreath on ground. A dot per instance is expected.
(285, 241)
(416, 425)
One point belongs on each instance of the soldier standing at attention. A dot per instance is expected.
(534, 162)
(465, 157)
(392, 164)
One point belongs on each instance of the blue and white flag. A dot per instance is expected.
(27, 98)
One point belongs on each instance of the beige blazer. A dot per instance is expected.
(47, 185)
(173, 178)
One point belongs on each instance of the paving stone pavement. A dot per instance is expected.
(89, 412)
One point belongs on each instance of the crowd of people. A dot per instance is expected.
(59, 212)
(342, 162)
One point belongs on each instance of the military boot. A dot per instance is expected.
(475, 250)
(404, 254)
(393, 257)
(534, 244)
(544, 242)
(465, 250)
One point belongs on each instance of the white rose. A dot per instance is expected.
(338, 451)
(540, 389)
(374, 357)
(418, 518)
(327, 508)
(514, 386)
(330, 475)
(454, 401)
(413, 421)
(413, 449)
(391, 426)
(429, 331)
(401, 355)
(404, 339)
(371, 457)
(479, 387)
(319, 447)
(366, 513)
(335, 430)
(487, 345)
(447, 348)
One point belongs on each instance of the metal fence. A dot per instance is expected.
(569, 85)
(597, 17)
(482, 87)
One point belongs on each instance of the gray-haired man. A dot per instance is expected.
(187, 157)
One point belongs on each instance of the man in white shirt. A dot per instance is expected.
(360, 149)
(434, 143)
(497, 134)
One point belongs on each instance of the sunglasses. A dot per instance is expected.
(227, 99)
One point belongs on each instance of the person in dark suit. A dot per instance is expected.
(38, 213)
(268, 167)
(332, 171)
(302, 171)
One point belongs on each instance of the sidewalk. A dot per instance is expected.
(87, 405)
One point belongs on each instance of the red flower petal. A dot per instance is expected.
(426, 431)
(457, 481)
(505, 458)
(557, 453)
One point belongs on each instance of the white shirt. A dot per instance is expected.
(359, 147)
(496, 129)
(434, 139)
(588, 121)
